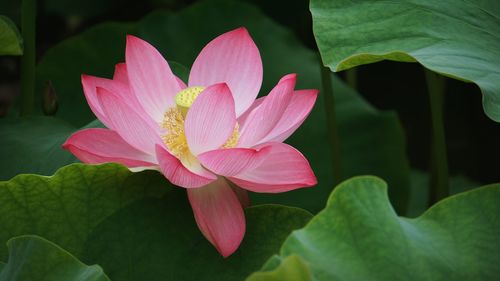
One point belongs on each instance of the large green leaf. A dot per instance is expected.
(135, 225)
(32, 258)
(66, 207)
(33, 145)
(163, 232)
(372, 141)
(10, 39)
(460, 39)
(358, 236)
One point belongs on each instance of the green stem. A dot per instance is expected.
(351, 77)
(439, 188)
(333, 134)
(28, 17)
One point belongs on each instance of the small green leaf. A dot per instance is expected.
(292, 268)
(32, 258)
(358, 236)
(459, 39)
(10, 39)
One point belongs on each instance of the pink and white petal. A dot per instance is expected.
(121, 73)
(219, 215)
(98, 145)
(151, 79)
(244, 117)
(284, 169)
(265, 117)
(140, 132)
(177, 173)
(233, 161)
(90, 84)
(295, 114)
(211, 119)
(232, 58)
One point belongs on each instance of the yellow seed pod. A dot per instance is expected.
(185, 98)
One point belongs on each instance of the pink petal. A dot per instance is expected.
(137, 130)
(121, 73)
(90, 83)
(284, 169)
(178, 174)
(297, 111)
(232, 161)
(265, 117)
(234, 59)
(151, 79)
(219, 215)
(97, 145)
(211, 119)
(242, 120)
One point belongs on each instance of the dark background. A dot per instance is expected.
(471, 136)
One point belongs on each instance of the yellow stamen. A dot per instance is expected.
(175, 139)
(233, 139)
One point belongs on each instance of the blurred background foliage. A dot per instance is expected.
(373, 141)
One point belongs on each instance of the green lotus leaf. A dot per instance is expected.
(459, 39)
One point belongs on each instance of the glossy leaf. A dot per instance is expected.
(32, 258)
(457, 39)
(109, 216)
(358, 236)
(372, 141)
(10, 39)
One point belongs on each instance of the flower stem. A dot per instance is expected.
(351, 77)
(333, 135)
(28, 10)
(439, 188)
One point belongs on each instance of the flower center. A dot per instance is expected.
(185, 98)
(173, 123)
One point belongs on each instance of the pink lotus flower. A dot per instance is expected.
(212, 138)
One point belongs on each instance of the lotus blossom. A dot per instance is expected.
(212, 137)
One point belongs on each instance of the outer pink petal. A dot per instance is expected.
(265, 117)
(219, 215)
(97, 145)
(234, 59)
(138, 131)
(179, 175)
(121, 73)
(284, 169)
(297, 111)
(90, 84)
(151, 79)
(211, 119)
(232, 161)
